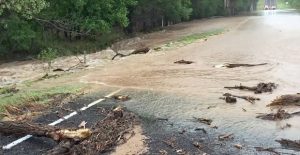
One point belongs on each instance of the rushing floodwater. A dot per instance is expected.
(272, 38)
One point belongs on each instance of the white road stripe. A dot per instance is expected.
(16, 142)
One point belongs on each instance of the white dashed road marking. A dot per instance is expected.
(16, 142)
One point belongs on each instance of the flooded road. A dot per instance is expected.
(181, 92)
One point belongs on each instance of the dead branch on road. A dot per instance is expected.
(57, 134)
(105, 134)
(98, 139)
(260, 88)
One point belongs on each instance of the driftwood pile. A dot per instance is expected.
(98, 139)
(279, 115)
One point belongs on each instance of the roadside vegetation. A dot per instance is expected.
(36, 96)
(29, 27)
(189, 39)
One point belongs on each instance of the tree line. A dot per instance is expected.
(29, 26)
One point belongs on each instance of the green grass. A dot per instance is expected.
(194, 37)
(191, 39)
(41, 95)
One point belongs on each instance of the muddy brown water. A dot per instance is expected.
(160, 88)
(272, 38)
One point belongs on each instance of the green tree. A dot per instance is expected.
(26, 8)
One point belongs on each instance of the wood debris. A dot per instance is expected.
(99, 139)
(287, 125)
(163, 152)
(272, 150)
(198, 145)
(291, 144)
(225, 137)
(203, 120)
(184, 62)
(238, 146)
(201, 129)
(247, 98)
(228, 65)
(82, 124)
(260, 88)
(286, 100)
(21, 128)
(279, 115)
(229, 99)
(121, 97)
(143, 50)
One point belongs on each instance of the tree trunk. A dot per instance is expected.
(57, 134)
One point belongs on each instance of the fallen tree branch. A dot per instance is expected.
(287, 100)
(57, 134)
(243, 65)
(137, 51)
(247, 98)
(291, 144)
(203, 120)
(260, 88)
(279, 115)
(271, 150)
(106, 133)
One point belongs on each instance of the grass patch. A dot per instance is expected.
(194, 37)
(190, 39)
(38, 96)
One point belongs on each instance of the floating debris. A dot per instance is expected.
(201, 129)
(183, 62)
(286, 100)
(210, 107)
(203, 120)
(82, 124)
(287, 125)
(279, 115)
(260, 88)
(291, 144)
(272, 150)
(238, 146)
(198, 145)
(228, 65)
(121, 97)
(231, 97)
(225, 137)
